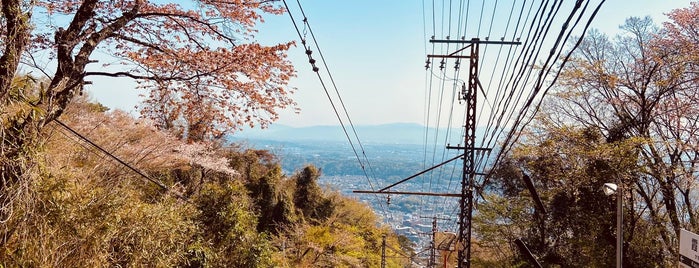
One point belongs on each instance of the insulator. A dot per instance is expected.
(463, 90)
(309, 52)
(315, 69)
(441, 65)
(312, 61)
(427, 64)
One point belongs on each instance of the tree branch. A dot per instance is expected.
(209, 25)
(138, 42)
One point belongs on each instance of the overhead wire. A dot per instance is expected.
(529, 70)
(499, 128)
(158, 183)
(497, 61)
(544, 72)
(438, 175)
(327, 93)
(453, 170)
(442, 78)
(522, 66)
(508, 142)
(507, 67)
(481, 158)
(428, 106)
(486, 156)
(531, 52)
(428, 180)
(517, 78)
(447, 137)
(480, 20)
(337, 92)
(512, 100)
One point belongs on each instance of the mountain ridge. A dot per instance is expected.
(391, 133)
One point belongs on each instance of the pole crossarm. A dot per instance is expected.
(420, 173)
(448, 56)
(474, 41)
(458, 147)
(453, 54)
(407, 193)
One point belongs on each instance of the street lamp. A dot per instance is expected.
(610, 189)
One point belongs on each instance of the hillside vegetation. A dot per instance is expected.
(224, 206)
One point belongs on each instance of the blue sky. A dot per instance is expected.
(376, 52)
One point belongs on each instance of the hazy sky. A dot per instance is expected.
(376, 51)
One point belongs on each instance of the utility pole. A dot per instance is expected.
(468, 172)
(383, 251)
(433, 248)
(433, 244)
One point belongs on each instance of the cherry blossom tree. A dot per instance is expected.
(202, 72)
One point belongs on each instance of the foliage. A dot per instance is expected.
(308, 197)
(568, 167)
(202, 70)
(198, 60)
(346, 238)
(625, 112)
(204, 75)
(79, 208)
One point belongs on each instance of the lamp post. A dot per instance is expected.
(609, 189)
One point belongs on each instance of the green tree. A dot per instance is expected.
(266, 185)
(568, 166)
(626, 112)
(227, 225)
(308, 196)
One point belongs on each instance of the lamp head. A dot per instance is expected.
(609, 188)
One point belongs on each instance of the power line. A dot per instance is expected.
(521, 83)
(337, 92)
(327, 93)
(113, 157)
(509, 140)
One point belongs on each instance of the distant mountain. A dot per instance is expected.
(395, 133)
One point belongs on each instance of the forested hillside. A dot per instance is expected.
(81, 186)
(223, 206)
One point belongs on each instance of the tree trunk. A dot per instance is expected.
(18, 31)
